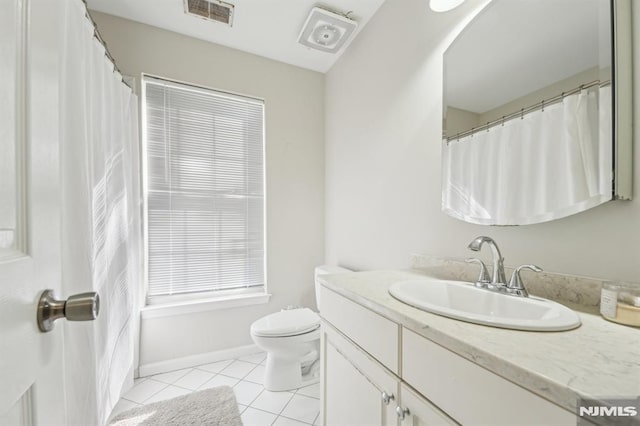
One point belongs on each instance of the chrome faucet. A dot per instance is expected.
(498, 278)
(498, 282)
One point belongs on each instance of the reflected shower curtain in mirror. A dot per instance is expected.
(546, 165)
(101, 238)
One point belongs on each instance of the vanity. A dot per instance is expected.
(387, 363)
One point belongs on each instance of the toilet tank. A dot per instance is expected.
(325, 270)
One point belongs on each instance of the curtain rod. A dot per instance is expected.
(527, 110)
(98, 37)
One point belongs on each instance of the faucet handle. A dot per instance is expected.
(483, 278)
(516, 286)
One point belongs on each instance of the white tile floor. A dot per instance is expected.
(258, 406)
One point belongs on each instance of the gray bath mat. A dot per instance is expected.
(211, 407)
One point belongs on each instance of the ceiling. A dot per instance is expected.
(266, 28)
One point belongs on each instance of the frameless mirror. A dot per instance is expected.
(537, 111)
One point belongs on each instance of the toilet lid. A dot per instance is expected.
(286, 323)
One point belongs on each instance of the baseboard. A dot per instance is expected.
(195, 360)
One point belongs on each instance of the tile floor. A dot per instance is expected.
(258, 406)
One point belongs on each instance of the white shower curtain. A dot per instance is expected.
(547, 165)
(101, 218)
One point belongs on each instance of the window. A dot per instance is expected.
(204, 186)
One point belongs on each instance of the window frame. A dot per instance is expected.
(225, 297)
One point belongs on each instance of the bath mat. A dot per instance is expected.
(215, 406)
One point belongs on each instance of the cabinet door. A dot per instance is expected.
(351, 398)
(420, 412)
(352, 385)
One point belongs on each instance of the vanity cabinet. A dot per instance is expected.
(376, 372)
(357, 390)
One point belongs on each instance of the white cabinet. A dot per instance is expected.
(353, 384)
(365, 355)
(357, 388)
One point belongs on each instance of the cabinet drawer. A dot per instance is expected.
(469, 393)
(372, 332)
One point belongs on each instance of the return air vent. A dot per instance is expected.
(218, 11)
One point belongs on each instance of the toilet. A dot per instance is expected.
(291, 339)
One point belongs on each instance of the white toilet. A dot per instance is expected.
(291, 339)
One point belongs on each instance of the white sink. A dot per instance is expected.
(462, 301)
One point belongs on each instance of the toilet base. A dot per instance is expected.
(286, 374)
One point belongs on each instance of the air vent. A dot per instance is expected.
(325, 30)
(218, 11)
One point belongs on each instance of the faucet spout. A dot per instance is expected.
(498, 276)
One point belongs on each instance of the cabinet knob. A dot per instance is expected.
(402, 412)
(387, 397)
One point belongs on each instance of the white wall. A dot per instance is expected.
(383, 127)
(294, 100)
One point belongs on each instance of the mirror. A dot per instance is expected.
(537, 111)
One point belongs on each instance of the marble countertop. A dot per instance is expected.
(598, 360)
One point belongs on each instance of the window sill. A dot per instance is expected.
(194, 306)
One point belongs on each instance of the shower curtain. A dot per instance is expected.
(549, 164)
(101, 238)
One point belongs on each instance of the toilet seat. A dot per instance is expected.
(290, 322)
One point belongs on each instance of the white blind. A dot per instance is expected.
(205, 189)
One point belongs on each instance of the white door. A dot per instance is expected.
(31, 379)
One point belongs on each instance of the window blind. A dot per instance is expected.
(205, 189)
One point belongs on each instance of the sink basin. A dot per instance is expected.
(462, 301)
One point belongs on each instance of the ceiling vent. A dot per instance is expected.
(215, 10)
(325, 30)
